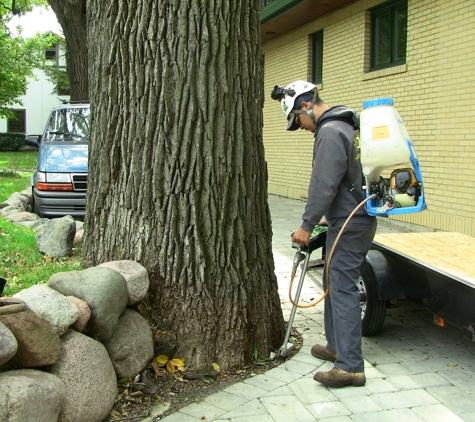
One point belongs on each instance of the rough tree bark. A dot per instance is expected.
(71, 15)
(178, 180)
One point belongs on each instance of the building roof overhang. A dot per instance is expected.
(282, 16)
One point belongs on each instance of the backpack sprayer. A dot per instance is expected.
(384, 144)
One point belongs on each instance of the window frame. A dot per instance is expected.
(392, 8)
(14, 122)
(53, 51)
(316, 57)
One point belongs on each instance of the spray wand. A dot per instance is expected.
(315, 243)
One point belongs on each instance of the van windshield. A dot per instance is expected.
(68, 124)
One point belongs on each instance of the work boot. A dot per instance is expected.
(321, 352)
(339, 378)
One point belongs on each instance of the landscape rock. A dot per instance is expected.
(91, 385)
(38, 343)
(19, 217)
(105, 292)
(38, 224)
(53, 306)
(131, 347)
(84, 313)
(19, 199)
(30, 395)
(56, 237)
(28, 224)
(27, 193)
(7, 210)
(78, 238)
(136, 277)
(8, 344)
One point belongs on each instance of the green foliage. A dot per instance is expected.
(60, 79)
(9, 8)
(11, 141)
(19, 58)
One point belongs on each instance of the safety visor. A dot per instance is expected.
(293, 123)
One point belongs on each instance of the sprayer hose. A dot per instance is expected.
(328, 260)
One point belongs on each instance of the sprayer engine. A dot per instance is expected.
(402, 189)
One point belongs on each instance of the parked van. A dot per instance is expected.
(59, 183)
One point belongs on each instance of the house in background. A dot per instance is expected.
(38, 100)
(418, 52)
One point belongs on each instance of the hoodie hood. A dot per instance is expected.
(342, 113)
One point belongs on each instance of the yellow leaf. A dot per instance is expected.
(170, 366)
(161, 360)
(216, 367)
(178, 363)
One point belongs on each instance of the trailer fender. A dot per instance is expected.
(387, 284)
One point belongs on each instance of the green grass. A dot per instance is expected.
(18, 160)
(11, 182)
(21, 264)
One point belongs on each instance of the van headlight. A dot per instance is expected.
(53, 181)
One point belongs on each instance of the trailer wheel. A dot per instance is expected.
(373, 309)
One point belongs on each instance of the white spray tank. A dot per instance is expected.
(385, 144)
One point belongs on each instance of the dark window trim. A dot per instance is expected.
(376, 13)
(14, 121)
(316, 44)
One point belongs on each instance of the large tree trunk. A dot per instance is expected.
(178, 180)
(71, 15)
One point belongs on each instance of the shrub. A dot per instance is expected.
(11, 141)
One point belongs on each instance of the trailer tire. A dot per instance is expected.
(373, 309)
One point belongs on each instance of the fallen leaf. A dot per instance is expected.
(156, 368)
(170, 366)
(178, 364)
(216, 367)
(161, 360)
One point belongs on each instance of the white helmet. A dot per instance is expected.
(287, 99)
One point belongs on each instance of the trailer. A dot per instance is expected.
(433, 269)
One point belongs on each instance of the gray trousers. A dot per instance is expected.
(342, 310)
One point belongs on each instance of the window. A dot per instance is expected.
(17, 124)
(316, 40)
(388, 34)
(51, 52)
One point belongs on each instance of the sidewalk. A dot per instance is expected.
(415, 371)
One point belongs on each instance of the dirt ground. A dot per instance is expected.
(179, 389)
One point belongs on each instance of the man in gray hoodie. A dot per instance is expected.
(335, 190)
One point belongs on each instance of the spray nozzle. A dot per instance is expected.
(299, 257)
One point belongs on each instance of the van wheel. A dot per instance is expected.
(373, 309)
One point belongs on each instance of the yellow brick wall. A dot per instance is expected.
(434, 93)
